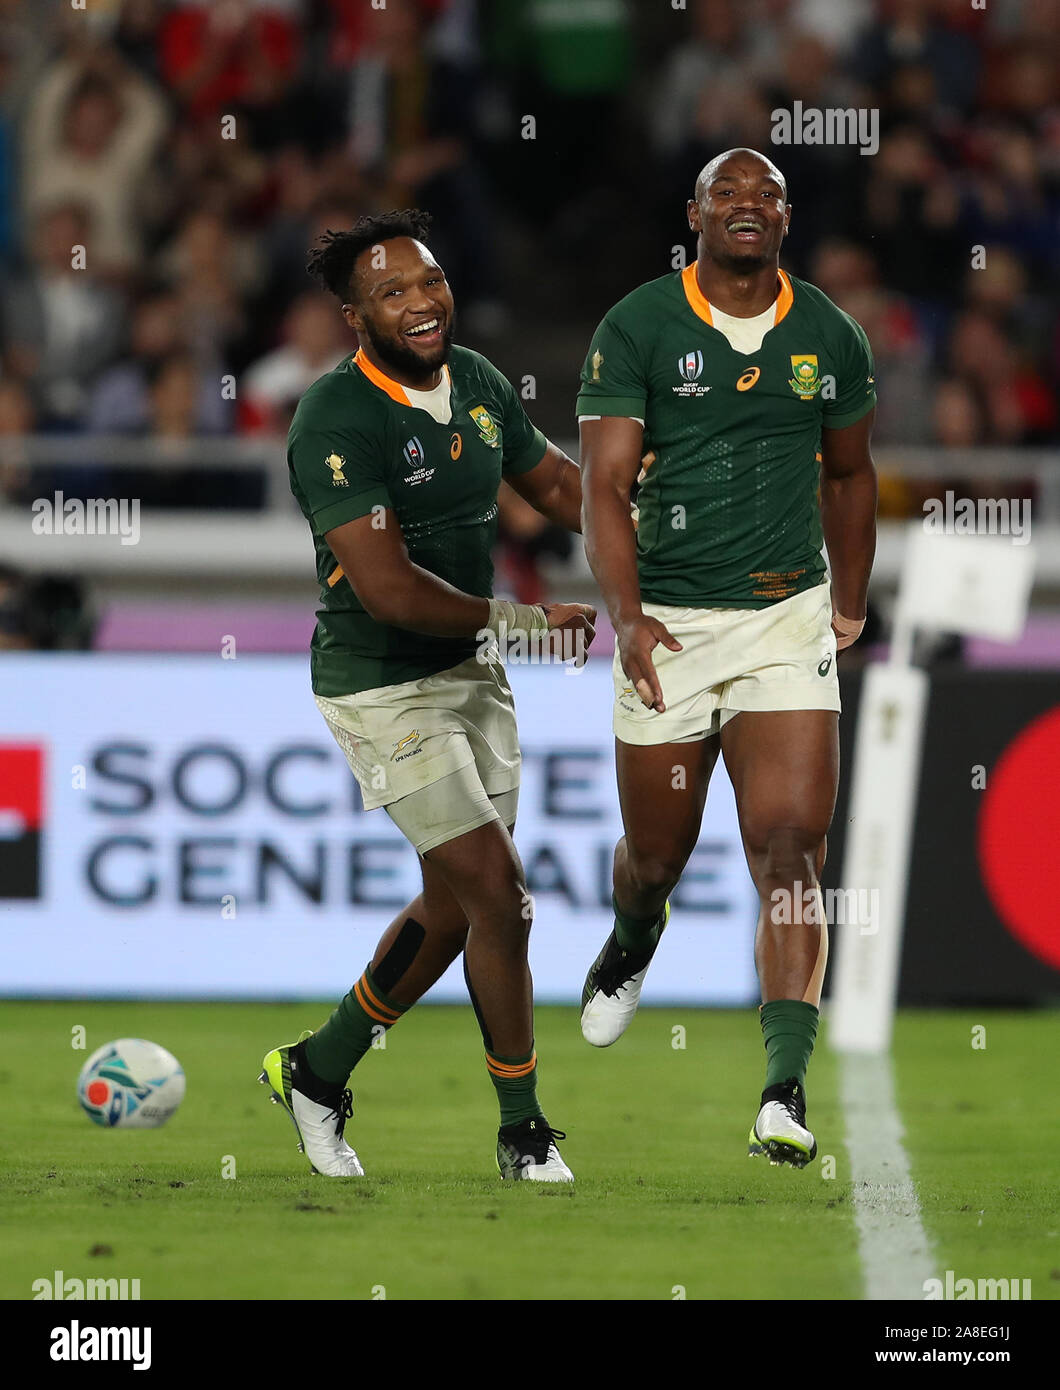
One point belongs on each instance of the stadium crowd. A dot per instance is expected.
(194, 150)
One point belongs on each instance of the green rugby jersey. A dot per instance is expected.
(730, 508)
(356, 443)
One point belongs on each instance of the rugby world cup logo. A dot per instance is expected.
(413, 452)
(690, 366)
(690, 369)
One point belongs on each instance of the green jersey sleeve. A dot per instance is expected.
(855, 392)
(523, 444)
(339, 472)
(613, 379)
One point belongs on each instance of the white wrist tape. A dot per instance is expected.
(506, 619)
(847, 630)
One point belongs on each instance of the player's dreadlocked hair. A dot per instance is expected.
(332, 259)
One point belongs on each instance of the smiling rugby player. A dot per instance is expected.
(395, 458)
(755, 395)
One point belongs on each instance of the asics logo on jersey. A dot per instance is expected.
(690, 368)
(748, 378)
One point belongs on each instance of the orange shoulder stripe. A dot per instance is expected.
(394, 389)
(785, 298)
(695, 296)
(701, 308)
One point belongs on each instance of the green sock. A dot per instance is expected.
(637, 933)
(515, 1079)
(363, 1016)
(789, 1027)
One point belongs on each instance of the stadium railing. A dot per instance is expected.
(269, 542)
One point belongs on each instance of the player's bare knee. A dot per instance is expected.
(654, 873)
(783, 856)
(509, 904)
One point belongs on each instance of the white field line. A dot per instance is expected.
(895, 1252)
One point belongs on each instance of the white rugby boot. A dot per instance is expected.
(527, 1152)
(612, 989)
(780, 1130)
(318, 1113)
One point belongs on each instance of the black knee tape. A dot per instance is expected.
(487, 1040)
(400, 956)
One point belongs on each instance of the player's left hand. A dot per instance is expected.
(847, 630)
(572, 627)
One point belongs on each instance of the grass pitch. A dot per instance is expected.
(666, 1203)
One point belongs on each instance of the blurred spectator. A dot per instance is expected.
(914, 32)
(701, 101)
(709, 65)
(173, 397)
(231, 56)
(192, 479)
(838, 26)
(89, 135)
(16, 632)
(214, 269)
(1007, 201)
(136, 35)
(958, 420)
(7, 147)
(1000, 287)
(121, 399)
(825, 180)
(1019, 406)
(61, 325)
(17, 420)
(304, 208)
(341, 108)
(411, 119)
(316, 339)
(43, 612)
(571, 66)
(848, 274)
(911, 213)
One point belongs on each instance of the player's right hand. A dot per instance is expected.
(637, 639)
(576, 619)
